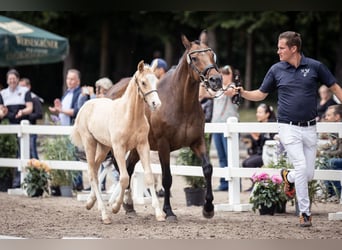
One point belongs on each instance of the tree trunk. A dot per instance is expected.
(247, 82)
(104, 48)
(168, 52)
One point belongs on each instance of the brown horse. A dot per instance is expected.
(119, 125)
(179, 122)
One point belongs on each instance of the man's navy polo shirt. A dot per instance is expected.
(297, 87)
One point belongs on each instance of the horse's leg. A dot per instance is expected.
(164, 158)
(119, 155)
(100, 156)
(201, 152)
(144, 154)
(132, 159)
(93, 167)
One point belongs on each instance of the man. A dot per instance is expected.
(161, 68)
(16, 105)
(67, 109)
(37, 113)
(296, 78)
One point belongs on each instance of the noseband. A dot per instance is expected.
(144, 94)
(204, 74)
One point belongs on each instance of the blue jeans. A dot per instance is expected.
(333, 186)
(221, 147)
(33, 146)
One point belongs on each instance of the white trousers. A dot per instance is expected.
(301, 145)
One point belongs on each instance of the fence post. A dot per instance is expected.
(24, 148)
(233, 162)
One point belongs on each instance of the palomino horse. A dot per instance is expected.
(103, 124)
(179, 122)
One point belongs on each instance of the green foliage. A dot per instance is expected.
(187, 157)
(60, 148)
(267, 191)
(8, 149)
(36, 179)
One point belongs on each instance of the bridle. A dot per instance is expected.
(142, 93)
(204, 74)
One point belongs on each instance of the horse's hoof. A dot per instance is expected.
(90, 204)
(107, 221)
(171, 218)
(208, 214)
(115, 208)
(160, 218)
(129, 208)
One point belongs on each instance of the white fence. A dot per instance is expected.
(233, 173)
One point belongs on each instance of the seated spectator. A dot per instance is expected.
(255, 141)
(333, 150)
(325, 100)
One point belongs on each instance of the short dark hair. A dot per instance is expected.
(337, 108)
(293, 39)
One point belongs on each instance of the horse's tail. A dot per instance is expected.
(75, 137)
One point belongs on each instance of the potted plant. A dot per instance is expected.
(61, 182)
(195, 191)
(36, 181)
(266, 193)
(60, 148)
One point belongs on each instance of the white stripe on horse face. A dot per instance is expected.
(153, 98)
(153, 80)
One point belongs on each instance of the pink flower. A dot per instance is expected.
(276, 179)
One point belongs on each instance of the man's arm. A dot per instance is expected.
(252, 95)
(336, 89)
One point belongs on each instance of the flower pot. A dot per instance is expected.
(66, 191)
(280, 209)
(5, 183)
(55, 191)
(267, 210)
(39, 192)
(194, 196)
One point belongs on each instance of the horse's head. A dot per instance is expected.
(202, 60)
(146, 82)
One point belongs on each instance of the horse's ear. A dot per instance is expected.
(154, 65)
(141, 66)
(204, 37)
(186, 42)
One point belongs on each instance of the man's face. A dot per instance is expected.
(12, 81)
(72, 80)
(285, 53)
(330, 116)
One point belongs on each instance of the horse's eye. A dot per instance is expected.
(143, 83)
(194, 59)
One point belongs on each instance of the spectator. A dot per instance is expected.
(295, 78)
(67, 109)
(16, 105)
(36, 114)
(255, 141)
(325, 100)
(333, 151)
(222, 109)
(161, 67)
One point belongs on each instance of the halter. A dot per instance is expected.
(144, 94)
(204, 74)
